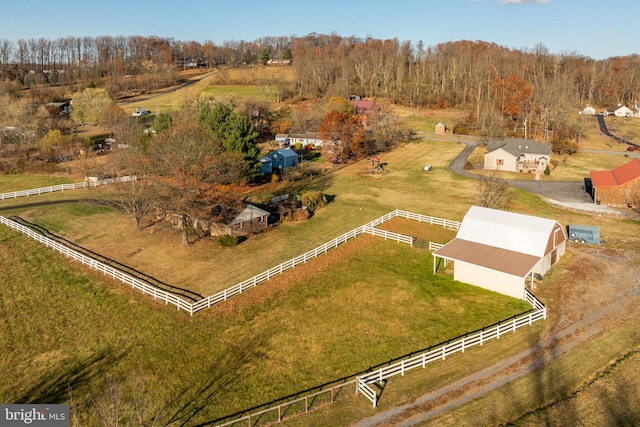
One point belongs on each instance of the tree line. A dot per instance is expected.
(531, 91)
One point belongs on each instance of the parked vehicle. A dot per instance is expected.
(584, 233)
(139, 111)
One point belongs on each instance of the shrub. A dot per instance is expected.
(227, 240)
(314, 200)
(298, 146)
(300, 215)
(547, 171)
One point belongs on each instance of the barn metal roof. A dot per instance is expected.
(510, 231)
(248, 214)
(491, 257)
(616, 177)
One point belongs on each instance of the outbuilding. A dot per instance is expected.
(619, 187)
(278, 160)
(501, 251)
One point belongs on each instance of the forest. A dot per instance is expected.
(502, 88)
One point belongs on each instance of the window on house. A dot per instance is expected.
(499, 162)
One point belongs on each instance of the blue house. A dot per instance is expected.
(278, 160)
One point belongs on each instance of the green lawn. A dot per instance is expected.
(265, 92)
(71, 335)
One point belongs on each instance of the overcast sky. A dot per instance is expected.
(598, 29)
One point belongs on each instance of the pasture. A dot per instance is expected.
(73, 336)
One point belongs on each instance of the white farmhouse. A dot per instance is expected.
(517, 155)
(501, 251)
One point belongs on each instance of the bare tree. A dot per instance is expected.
(494, 192)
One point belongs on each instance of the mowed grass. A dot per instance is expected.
(358, 197)
(17, 182)
(70, 335)
(260, 92)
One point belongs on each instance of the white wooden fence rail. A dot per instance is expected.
(368, 228)
(460, 345)
(139, 285)
(239, 288)
(63, 187)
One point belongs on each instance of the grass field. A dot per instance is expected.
(72, 335)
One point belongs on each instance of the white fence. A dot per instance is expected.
(63, 187)
(539, 312)
(239, 288)
(368, 228)
(139, 285)
(362, 382)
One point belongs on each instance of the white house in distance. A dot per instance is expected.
(517, 155)
(308, 138)
(500, 251)
(620, 111)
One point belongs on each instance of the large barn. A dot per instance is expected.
(617, 187)
(500, 250)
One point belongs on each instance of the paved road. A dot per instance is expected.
(563, 191)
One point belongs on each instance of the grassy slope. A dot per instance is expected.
(70, 331)
(168, 337)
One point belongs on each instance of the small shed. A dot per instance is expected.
(251, 219)
(500, 251)
(440, 128)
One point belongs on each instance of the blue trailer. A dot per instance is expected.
(580, 233)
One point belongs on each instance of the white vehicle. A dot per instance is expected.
(139, 111)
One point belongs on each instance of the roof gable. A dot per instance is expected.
(518, 146)
(507, 230)
(618, 176)
(249, 213)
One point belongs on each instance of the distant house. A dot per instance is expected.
(251, 219)
(305, 139)
(588, 110)
(440, 128)
(619, 187)
(517, 155)
(620, 111)
(58, 108)
(501, 251)
(278, 160)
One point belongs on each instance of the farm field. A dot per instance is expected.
(80, 337)
(282, 336)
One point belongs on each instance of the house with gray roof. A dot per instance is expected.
(517, 155)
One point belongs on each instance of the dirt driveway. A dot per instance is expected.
(596, 289)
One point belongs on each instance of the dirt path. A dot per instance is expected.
(582, 309)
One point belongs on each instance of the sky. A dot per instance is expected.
(596, 29)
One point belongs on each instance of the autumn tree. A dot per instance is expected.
(512, 94)
(494, 192)
(26, 123)
(88, 105)
(344, 137)
(191, 181)
(50, 144)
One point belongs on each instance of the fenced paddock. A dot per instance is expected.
(210, 301)
(137, 284)
(278, 411)
(538, 312)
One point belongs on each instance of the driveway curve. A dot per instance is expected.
(571, 194)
